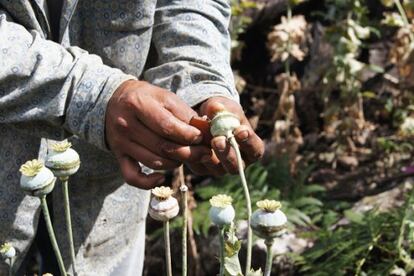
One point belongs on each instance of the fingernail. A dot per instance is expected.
(198, 139)
(243, 136)
(220, 144)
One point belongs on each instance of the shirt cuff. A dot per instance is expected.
(198, 93)
(87, 109)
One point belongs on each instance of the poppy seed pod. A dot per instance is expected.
(7, 251)
(268, 221)
(221, 212)
(36, 179)
(163, 205)
(62, 159)
(224, 123)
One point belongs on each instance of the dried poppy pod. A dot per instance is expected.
(62, 159)
(221, 212)
(268, 221)
(163, 205)
(36, 179)
(7, 251)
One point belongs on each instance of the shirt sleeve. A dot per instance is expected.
(46, 86)
(192, 45)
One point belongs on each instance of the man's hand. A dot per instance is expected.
(251, 146)
(148, 124)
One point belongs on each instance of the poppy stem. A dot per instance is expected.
(235, 146)
(184, 196)
(66, 204)
(269, 257)
(52, 235)
(221, 250)
(167, 247)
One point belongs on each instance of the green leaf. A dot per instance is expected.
(376, 69)
(354, 216)
(313, 188)
(369, 94)
(232, 249)
(232, 266)
(303, 201)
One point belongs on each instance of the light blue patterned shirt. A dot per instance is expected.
(54, 91)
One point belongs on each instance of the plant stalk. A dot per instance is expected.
(10, 266)
(222, 231)
(269, 256)
(66, 204)
(404, 18)
(167, 247)
(235, 146)
(52, 235)
(184, 197)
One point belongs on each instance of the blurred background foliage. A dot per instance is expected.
(329, 86)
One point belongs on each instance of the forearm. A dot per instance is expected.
(44, 85)
(193, 49)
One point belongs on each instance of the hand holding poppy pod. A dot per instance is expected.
(224, 126)
(251, 146)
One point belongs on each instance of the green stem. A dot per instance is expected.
(234, 144)
(66, 204)
(362, 261)
(10, 266)
(184, 196)
(52, 235)
(403, 256)
(404, 18)
(269, 257)
(221, 251)
(289, 10)
(167, 247)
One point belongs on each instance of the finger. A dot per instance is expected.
(132, 174)
(198, 169)
(179, 108)
(225, 153)
(148, 158)
(212, 108)
(251, 146)
(213, 165)
(160, 146)
(164, 123)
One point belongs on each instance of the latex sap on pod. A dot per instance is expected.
(163, 206)
(268, 221)
(62, 159)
